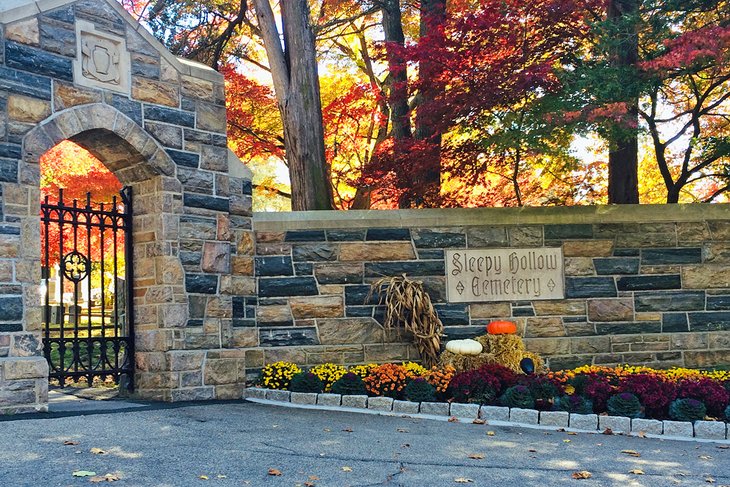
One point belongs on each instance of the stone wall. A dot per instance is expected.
(87, 72)
(644, 284)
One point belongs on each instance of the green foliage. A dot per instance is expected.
(518, 396)
(306, 382)
(349, 384)
(574, 404)
(624, 404)
(687, 409)
(419, 390)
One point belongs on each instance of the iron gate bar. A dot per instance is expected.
(74, 267)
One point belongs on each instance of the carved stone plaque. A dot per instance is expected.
(485, 275)
(102, 59)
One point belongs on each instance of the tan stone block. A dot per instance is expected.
(710, 276)
(548, 346)
(156, 380)
(25, 109)
(690, 341)
(579, 266)
(564, 307)
(245, 337)
(9, 246)
(388, 352)
(650, 347)
(67, 95)
(174, 315)
(286, 354)
(197, 88)
(720, 230)
(544, 327)
(525, 236)
(152, 91)
(27, 271)
(707, 359)
(365, 251)
(331, 288)
(6, 270)
(588, 248)
(221, 372)
(599, 344)
(24, 32)
(186, 359)
(229, 392)
(168, 71)
(648, 316)
(317, 307)
(318, 358)
(273, 314)
(151, 361)
(273, 249)
(242, 266)
(25, 368)
(245, 245)
(490, 310)
(647, 238)
(211, 117)
(254, 358)
(270, 237)
(621, 309)
(692, 232)
(719, 340)
(717, 252)
(349, 330)
(238, 285)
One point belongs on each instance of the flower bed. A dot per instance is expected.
(683, 395)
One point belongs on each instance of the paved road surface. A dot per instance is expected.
(175, 446)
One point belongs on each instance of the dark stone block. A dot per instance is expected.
(345, 235)
(247, 188)
(130, 108)
(318, 252)
(436, 240)
(274, 266)
(357, 296)
(674, 322)
(11, 308)
(669, 301)
(287, 286)
(58, 38)
(523, 312)
(9, 230)
(8, 170)
(338, 274)
(609, 266)
(461, 332)
(24, 83)
(169, 115)
(146, 70)
(194, 323)
(239, 307)
(190, 257)
(197, 306)
(64, 14)
(388, 234)
(10, 327)
(626, 252)
(304, 269)
(191, 135)
(304, 236)
(453, 314)
(410, 268)
(590, 287)
(709, 321)
(243, 323)
(430, 254)
(566, 363)
(717, 303)
(11, 151)
(575, 319)
(287, 337)
(187, 159)
(359, 311)
(33, 60)
(206, 201)
(689, 255)
(568, 231)
(649, 283)
(201, 283)
(628, 328)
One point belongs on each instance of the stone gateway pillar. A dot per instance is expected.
(86, 71)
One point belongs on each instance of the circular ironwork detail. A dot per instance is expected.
(75, 266)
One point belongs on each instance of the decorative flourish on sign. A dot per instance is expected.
(100, 59)
(75, 266)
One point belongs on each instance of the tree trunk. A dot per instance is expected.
(397, 68)
(623, 157)
(428, 179)
(296, 84)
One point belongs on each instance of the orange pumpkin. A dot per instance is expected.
(501, 328)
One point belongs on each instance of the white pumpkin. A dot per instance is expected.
(464, 347)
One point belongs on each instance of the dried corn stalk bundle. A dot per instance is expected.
(408, 305)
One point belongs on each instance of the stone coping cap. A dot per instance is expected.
(14, 10)
(454, 217)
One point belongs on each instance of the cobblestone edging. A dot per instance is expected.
(717, 431)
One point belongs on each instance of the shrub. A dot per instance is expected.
(624, 404)
(278, 375)
(419, 390)
(387, 380)
(474, 386)
(709, 391)
(543, 389)
(518, 396)
(349, 384)
(574, 404)
(306, 382)
(654, 392)
(506, 377)
(687, 409)
(328, 374)
(597, 389)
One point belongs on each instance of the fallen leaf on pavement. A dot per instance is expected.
(572, 433)
(97, 451)
(219, 476)
(313, 477)
(453, 419)
(566, 441)
(83, 473)
(402, 430)
(309, 484)
(70, 443)
(479, 421)
(476, 456)
(275, 472)
(710, 480)
(631, 453)
(608, 431)
(637, 471)
(532, 450)
(705, 457)
(110, 477)
(347, 469)
(490, 433)
(463, 480)
(203, 477)
(723, 447)
(406, 445)
(583, 474)
(641, 434)
(347, 430)
(327, 430)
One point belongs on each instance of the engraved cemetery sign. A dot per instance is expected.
(479, 275)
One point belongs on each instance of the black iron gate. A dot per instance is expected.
(86, 280)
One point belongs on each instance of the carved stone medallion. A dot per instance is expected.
(103, 60)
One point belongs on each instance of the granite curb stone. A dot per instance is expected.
(277, 395)
(588, 422)
(380, 403)
(355, 401)
(435, 408)
(617, 424)
(254, 393)
(304, 398)
(711, 430)
(470, 411)
(329, 399)
(523, 416)
(559, 419)
(494, 413)
(649, 426)
(405, 407)
(678, 428)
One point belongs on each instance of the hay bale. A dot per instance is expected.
(463, 363)
(506, 350)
